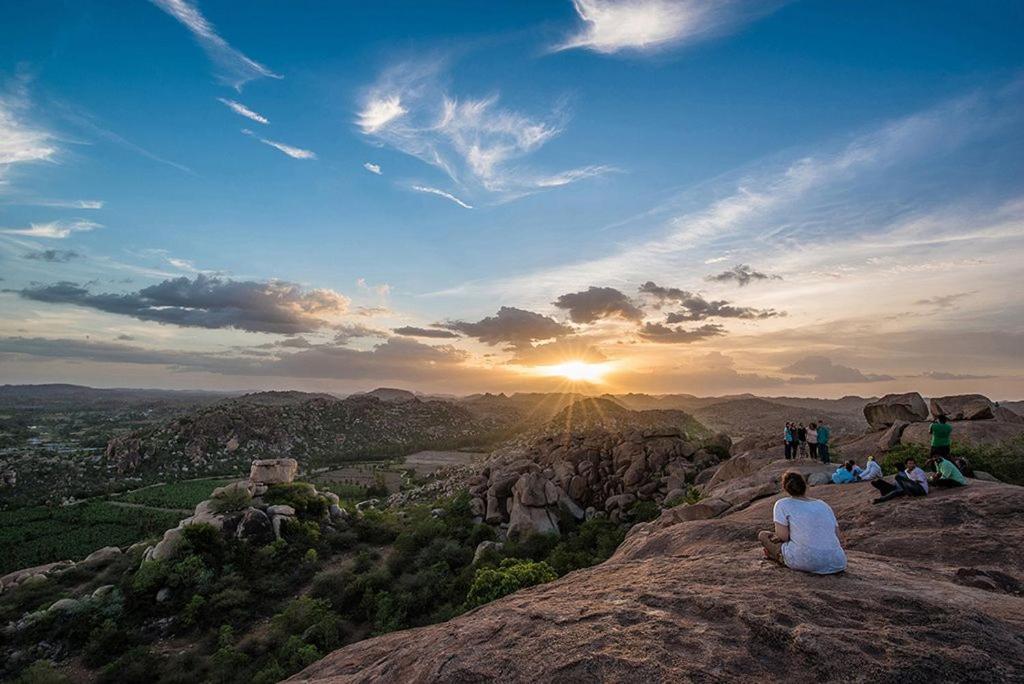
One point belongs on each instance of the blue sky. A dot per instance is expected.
(357, 169)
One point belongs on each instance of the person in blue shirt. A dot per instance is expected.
(788, 436)
(844, 474)
(823, 435)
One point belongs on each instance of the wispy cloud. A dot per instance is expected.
(293, 152)
(54, 229)
(241, 109)
(442, 193)
(21, 142)
(611, 26)
(66, 204)
(474, 140)
(372, 168)
(235, 69)
(58, 256)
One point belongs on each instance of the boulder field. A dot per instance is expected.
(933, 592)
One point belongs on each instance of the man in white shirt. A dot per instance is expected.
(911, 480)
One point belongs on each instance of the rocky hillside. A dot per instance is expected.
(753, 416)
(320, 430)
(932, 593)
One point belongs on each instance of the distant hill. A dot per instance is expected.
(604, 413)
(742, 417)
(390, 394)
(318, 430)
(77, 396)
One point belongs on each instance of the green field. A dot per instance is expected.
(40, 534)
(178, 495)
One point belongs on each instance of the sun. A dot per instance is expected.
(576, 371)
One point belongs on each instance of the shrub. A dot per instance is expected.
(106, 641)
(642, 511)
(691, 496)
(298, 495)
(272, 673)
(310, 618)
(512, 575)
(150, 576)
(134, 667)
(594, 542)
(41, 672)
(234, 499)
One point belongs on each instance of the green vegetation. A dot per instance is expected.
(1005, 461)
(180, 495)
(249, 613)
(41, 534)
(692, 496)
(512, 575)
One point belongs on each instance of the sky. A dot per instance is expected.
(802, 198)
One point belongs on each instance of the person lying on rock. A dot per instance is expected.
(911, 480)
(871, 471)
(846, 473)
(946, 473)
(806, 536)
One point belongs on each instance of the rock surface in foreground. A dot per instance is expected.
(927, 597)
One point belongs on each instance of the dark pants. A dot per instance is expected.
(823, 453)
(945, 482)
(813, 448)
(790, 451)
(904, 485)
(942, 451)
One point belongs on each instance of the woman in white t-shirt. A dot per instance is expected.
(807, 536)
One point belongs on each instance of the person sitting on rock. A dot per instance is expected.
(940, 432)
(911, 480)
(845, 474)
(823, 435)
(946, 473)
(871, 470)
(806, 536)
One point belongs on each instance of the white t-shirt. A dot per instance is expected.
(812, 436)
(813, 545)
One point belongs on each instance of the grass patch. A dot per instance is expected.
(183, 495)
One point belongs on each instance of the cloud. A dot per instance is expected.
(475, 141)
(514, 326)
(663, 334)
(696, 308)
(383, 289)
(379, 111)
(60, 256)
(442, 193)
(124, 338)
(346, 332)
(372, 168)
(741, 274)
(942, 301)
(596, 303)
(235, 69)
(293, 152)
(942, 375)
(66, 204)
(239, 108)
(57, 230)
(558, 351)
(210, 302)
(642, 25)
(21, 142)
(412, 331)
(821, 369)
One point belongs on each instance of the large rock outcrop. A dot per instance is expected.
(882, 413)
(972, 432)
(931, 594)
(962, 407)
(599, 469)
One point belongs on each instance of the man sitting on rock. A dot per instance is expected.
(911, 480)
(946, 473)
(871, 471)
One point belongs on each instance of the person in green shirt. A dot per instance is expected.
(946, 473)
(940, 431)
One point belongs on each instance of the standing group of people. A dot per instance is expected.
(810, 441)
(806, 535)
